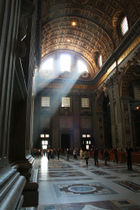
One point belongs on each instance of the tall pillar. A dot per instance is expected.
(117, 116)
(8, 35)
(126, 120)
(98, 120)
(12, 184)
(36, 126)
(76, 120)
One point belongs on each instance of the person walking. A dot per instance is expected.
(96, 156)
(129, 158)
(75, 154)
(106, 156)
(81, 153)
(58, 153)
(115, 151)
(49, 154)
(86, 156)
(68, 154)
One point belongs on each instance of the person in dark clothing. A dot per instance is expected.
(86, 156)
(68, 154)
(102, 154)
(129, 158)
(106, 156)
(75, 154)
(58, 153)
(115, 155)
(49, 154)
(96, 156)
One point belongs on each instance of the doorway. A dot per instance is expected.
(65, 141)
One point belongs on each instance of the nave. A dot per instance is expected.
(71, 185)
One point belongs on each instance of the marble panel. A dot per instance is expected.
(129, 185)
(91, 189)
(100, 205)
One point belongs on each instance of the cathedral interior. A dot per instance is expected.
(69, 78)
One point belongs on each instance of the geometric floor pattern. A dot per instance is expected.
(71, 185)
(100, 205)
(89, 189)
(129, 185)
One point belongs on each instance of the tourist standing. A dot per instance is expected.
(58, 153)
(86, 157)
(129, 158)
(68, 154)
(106, 156)
(96, 156)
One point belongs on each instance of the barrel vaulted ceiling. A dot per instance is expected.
(95, 31)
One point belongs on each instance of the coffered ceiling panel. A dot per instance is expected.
(81, 26)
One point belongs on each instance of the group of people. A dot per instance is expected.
(95, 153)
(105, 155)
(86, 155)
(50, 153)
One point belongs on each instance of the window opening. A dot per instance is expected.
(124, 25)
(45, 101)
(85, 102)
(82, 67)
(65, 102)
(65, 62)
(100, 60)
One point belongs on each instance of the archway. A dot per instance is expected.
(65, 141)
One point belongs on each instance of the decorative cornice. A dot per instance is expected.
(128, 44)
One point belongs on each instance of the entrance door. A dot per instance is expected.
(65, 141)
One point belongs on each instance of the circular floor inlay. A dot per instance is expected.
(81, 189)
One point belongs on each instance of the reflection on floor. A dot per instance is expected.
(70, 185)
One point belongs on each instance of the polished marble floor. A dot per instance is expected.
(71, 185)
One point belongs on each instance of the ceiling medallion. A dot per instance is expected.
(81, 1)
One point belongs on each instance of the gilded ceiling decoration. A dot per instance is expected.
(87, 27)
(81, 1)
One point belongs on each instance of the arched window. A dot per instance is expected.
(124, 26)
(65, 62)
(48, 64)
(100, 61)
(81, 66)
(58, 63)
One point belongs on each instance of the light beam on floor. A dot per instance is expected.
(44, 164)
